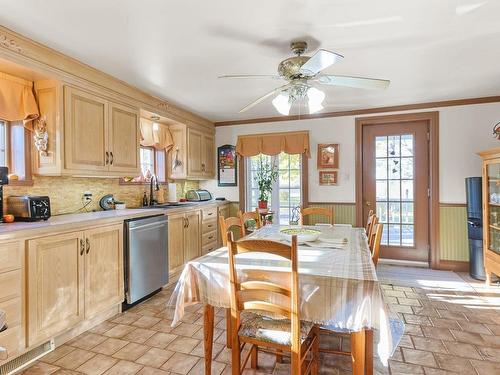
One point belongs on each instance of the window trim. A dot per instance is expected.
(28, 168)
(242, 180)
(155, 166)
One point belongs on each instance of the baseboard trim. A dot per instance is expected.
(453, 265)
(403, 263)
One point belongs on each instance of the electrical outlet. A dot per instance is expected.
(87, 196)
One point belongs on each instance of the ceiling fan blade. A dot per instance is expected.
(357, 82)
(247, 76)
(319, 61)
(262, 98)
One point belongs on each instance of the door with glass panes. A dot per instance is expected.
(396, 186)
(286, 196)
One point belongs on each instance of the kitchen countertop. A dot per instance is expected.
(63, 222)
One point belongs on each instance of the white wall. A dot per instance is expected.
(463, 131)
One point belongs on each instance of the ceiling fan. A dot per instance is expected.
(303, 73)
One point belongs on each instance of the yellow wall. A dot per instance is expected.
(66, 192)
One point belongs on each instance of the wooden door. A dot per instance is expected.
(396, 186)
(124, 138)
(85, 131)
(195, 153)
(208, 164)
(176, 224)
(192, 236)
(103, 268)
(55, 292)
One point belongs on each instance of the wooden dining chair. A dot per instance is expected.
(368, 220)
(377, 238)
(250, 215)
(326, 212)
(279, 336)
(371, 234)
(227, 225)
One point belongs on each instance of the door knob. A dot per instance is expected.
(368, 203)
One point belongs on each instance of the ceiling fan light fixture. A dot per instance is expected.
(282, 103)
(316, 98)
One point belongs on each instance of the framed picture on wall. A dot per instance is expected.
(328, 177)
(328, 156)
(227, 165)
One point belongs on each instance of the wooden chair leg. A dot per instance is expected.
(279, 358)
(315, 352)
(229, 339)
(358, 353)
(208, 327)
(369, 352)
(236, 356)
(296, 366)
(254, 360)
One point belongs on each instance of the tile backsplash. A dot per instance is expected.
(66, 192)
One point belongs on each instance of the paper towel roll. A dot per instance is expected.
(172, 192)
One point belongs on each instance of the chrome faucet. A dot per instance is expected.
(153, 182)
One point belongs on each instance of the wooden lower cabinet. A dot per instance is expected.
(103, 268)
(55, 269)
(72, 277)
(184, 239)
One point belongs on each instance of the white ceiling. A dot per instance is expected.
(429, 49)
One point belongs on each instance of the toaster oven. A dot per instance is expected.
(29, 207)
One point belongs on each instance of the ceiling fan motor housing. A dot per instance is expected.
(289, 68)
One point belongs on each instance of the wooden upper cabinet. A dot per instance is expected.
(208, 149)
(103, 268)
(124, 138)
(55, 285)
(195, 153)
(195, 150)
(101, 137)
(85, 131)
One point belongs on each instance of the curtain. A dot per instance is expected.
(155, 135)
(17, 102)
(274, 144)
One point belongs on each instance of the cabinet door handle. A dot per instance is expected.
(210, 237)
(112, 158)
(82, 246)
(107, 158)
(187, 221)
(209, 225)
(87, 241)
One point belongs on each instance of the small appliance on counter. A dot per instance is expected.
(29, 207)
(198, 195)
(4, 180)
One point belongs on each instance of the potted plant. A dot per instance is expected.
(265, 177)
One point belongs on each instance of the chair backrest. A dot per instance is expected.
(327, 212)
(373, 230)
(226, 226)
(369, 225)
(256, 293)
(250, 215)
(368, 220)
(376, 245)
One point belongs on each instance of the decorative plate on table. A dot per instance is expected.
(303, 234)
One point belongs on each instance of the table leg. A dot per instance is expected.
(358, 352)
(208, 334)
(369, 351)
(229, 339)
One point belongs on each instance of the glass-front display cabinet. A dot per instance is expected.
(491, 212)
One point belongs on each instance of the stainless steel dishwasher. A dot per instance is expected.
(146, 257)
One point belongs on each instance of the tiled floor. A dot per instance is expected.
(452, 326)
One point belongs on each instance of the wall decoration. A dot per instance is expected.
(41, 136)
(328, 156)
(227, 165)
(328, 177)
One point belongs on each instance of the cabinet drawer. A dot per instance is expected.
(208, 247)
(10, 285)
(10, 255)
(209, 213)
(208, 238)
(209, 225)
(10, 339)
(12, 310)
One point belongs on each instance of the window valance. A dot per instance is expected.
(274, 143)
(155, 135)
(17, 102)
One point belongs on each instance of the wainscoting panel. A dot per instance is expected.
(343, 213)
(453, 242)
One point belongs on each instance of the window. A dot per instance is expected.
(153, 160)
(287, 190)
(15, 149)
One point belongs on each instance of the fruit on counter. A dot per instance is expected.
(8, 218)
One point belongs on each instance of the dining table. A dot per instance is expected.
(339, 289)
